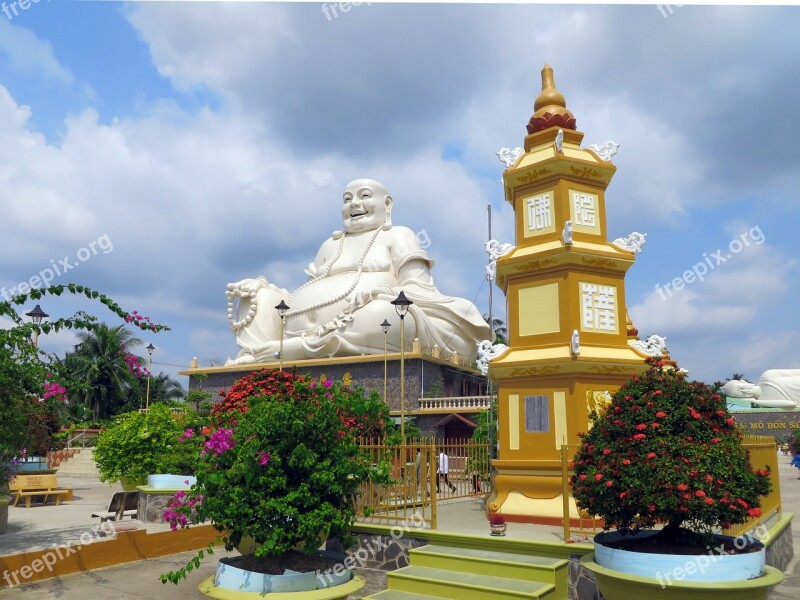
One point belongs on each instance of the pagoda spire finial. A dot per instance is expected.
(550, 106)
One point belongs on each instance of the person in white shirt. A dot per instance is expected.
(442, 471)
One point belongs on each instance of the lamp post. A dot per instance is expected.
(282, 309)
(149, 349)
(385, 326)
(401, 304)
(36, 315)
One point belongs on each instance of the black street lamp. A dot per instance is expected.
(385, 326)
(401, 304)
(37, 315)
(282, 309)
(149, 349)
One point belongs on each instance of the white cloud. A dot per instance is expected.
(195, 199)
(26, 53)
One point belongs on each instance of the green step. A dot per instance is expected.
(464, 586)
(543, 569)
(395, 595)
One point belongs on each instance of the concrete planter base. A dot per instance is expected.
(338, 592)
(616, 585)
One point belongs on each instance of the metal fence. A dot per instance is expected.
(408, 492)
(415, 481)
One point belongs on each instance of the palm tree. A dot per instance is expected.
(162, 388)
(498, 329)
(99, 365)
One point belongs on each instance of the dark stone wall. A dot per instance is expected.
(422, 376)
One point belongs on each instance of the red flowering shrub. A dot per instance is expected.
(363, 415)
(267, 382)
(691, 471)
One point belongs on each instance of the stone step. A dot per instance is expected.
(81, 464)
(499, 564)
(464, 585)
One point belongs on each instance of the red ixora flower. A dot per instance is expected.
(651, 455)
(754, 512)
(661, 414)
(700, 493)
(598, 477)
(626, 462)
(639, 437)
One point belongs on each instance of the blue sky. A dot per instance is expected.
(201, 138)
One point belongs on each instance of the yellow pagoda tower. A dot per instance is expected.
(570, 341)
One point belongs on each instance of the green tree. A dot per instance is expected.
(101, 363)
(480, 455)
(499, 329)
(27, 374)
(162, 389)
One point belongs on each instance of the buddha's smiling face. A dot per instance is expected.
(365, 205)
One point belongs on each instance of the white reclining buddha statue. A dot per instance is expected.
(356, 274)
(776, 388)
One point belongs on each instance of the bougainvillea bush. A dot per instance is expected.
(666, 451)
(365, 415)
(283, 473)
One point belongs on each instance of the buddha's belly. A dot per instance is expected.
(326, 299)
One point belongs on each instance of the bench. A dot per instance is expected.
(30, 486)
(122, 504)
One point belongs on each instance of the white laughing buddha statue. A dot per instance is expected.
(352, 281)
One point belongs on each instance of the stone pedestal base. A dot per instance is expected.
(152, 503)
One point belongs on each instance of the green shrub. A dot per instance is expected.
(138, 444)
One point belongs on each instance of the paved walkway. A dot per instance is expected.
(43, 526)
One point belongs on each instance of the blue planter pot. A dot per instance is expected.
(171, 482)
(698, 567)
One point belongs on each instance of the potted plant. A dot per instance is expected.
(139, 444)
(497, 524)
(279, 473)
(666, 451)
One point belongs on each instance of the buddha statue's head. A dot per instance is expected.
(366, 206)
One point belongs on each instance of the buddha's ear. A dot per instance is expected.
(387, 224)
